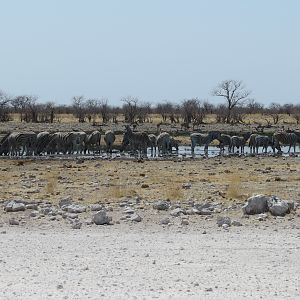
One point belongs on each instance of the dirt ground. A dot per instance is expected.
(221, 179)
(43, 258)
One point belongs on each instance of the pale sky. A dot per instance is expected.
(155, 50)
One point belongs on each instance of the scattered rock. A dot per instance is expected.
(76, 225)
(65, 201)
(164, 221)
(161, 205)
(129, 211)
(100, 218)
(13, 221)
(96, 207)
(184, 222)
(176, 212)
(14, 206)
(262, 217)
(136, 218)
(76, 208)
(144, 186)
(223, 220)
(236, 223)
(186, 186)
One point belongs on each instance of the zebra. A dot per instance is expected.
(25, 141)
(238, 142)
(4, 146)
(109, 138)
(173, 144)
(136, 140)
(153, 142)
(42, 140)
(61, 142)
(263, 141)
(286, 138)
(200, 139)
(252, 142)
(225, 140)
(78, 141)
(163, 142)
(93, 141)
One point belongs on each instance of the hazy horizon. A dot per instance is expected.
(154, 50)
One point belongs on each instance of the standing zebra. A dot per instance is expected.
(225, 140)
(61, 142)
(153, 142)
(263, 141)
(286, 138)
(25, 141)
(42, 140)
(78, 140)
(93, 141)
(173, 144)
(252, 142)
(163, 143)
(136, 140)
(239, 141)
(4, 146)
(200, 139)
(109, 138)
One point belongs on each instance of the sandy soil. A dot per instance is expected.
(142, 262)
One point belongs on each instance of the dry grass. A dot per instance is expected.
(51, 183)
(234, 189)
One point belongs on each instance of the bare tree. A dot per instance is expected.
(130, 108)
(273, 111)
(235, 94)
(79, 106)
(104, 110)
(165, 109)
(4, 107)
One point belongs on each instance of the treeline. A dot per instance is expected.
(188, 113)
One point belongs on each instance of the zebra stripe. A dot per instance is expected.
(286, 138)
(163, 142)
(138, 141)
(93, 141)
(225, 140)
(25, 141)
(264, 142)
(109, 138)
(200, 139)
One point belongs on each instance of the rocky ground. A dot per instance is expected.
(178, 229)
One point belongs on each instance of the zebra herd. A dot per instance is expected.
(79, 142)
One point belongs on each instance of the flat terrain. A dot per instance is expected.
(44, 258)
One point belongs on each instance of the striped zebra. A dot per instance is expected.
(61, 142)
(286, 138)
(153, 142)
(200, 139)
(173, 144)
(238, 142)
(42, 141)
(93, 142)
(163, 143)
(251, 142)
(4, 146)
(137, 141)
(109, 139)
(263, 141)
(22, 142)
(225, 140)
(78, 141)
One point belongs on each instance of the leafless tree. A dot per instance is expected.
(164, 109)
(79, 106)
(254, 107)
(273, 111)
(4, 107)
(235, 94)
(130, 108)
(104, 110)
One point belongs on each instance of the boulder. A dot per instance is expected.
(13, 222)
(100, 218)
(161, 205)
(14, 206)
(256, 205)
(278, 207)
(65, 201)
